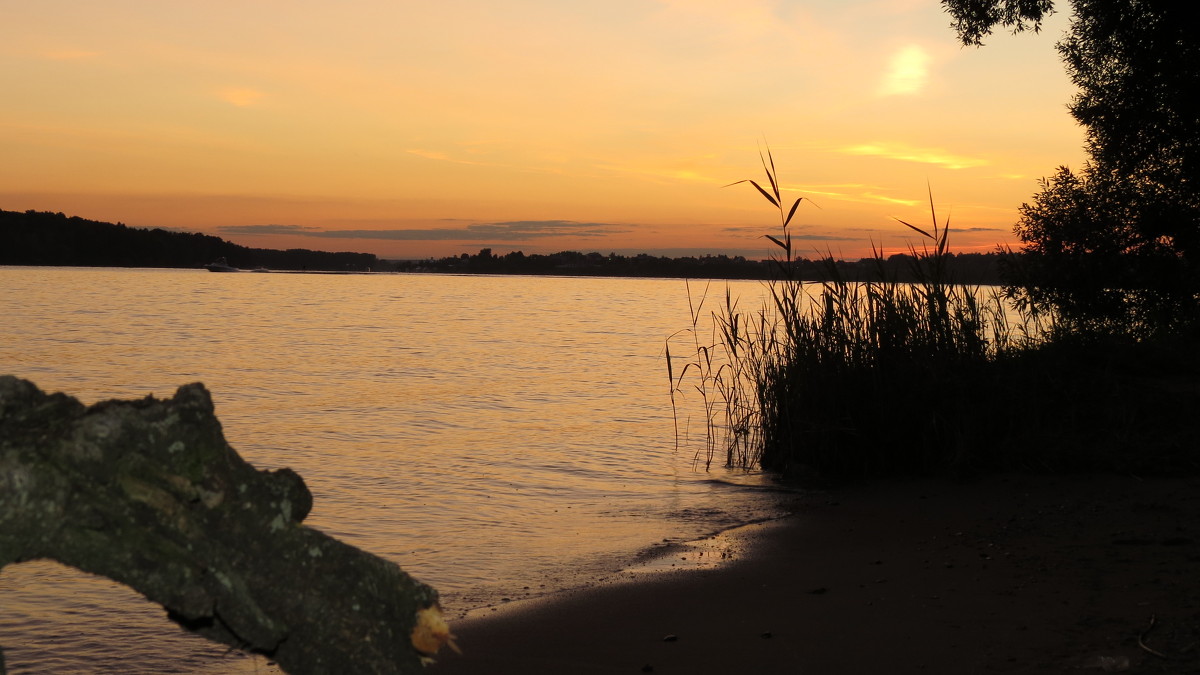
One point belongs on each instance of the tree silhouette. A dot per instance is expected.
(44, 238)
(1132, 213)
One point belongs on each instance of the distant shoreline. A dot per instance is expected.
(54, 239)
(566, 274)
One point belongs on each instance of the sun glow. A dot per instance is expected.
(907, 73)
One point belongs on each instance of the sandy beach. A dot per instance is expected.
(1012, 574)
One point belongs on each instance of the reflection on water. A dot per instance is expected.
(486, 433)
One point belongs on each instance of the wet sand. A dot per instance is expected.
(1009, 574)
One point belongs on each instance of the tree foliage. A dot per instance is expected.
(1123, 233)
(1086, 258)
(975, 19)
(1135, 63)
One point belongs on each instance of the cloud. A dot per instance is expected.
(869, 197)
(671, 173)
(920, 155)
(747, 17)
(907, 73)
(748, 253)
(440, 156)
(899, 6)
(853, 192)
(524, 229)
(241, 97)
(819, 237)
(70, 54)
(268, 229)
(796, 236)
(518, 230)
(428, 154)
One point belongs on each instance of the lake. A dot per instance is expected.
(497, 437)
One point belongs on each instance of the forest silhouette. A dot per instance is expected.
(44, 238)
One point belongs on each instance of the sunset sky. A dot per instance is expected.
(411, 129)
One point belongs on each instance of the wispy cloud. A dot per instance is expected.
(907, 71)
(519, 230)
(659, 173)
(851, 192)
(747, 17)
(70, 54)
(482, 157)
(429, 154)
(819, 237)
(796, 236)
(270, 229)
(921, 155)
(749, 253)
(884, 199)
(440, 156)
(242, 97)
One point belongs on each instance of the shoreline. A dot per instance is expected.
(715, 551)
(1012, 574)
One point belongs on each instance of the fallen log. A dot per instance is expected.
(149, 493)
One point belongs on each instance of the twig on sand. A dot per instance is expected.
(1142, 641)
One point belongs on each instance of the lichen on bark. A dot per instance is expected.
(149, 493)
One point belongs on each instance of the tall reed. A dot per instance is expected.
(850, 376)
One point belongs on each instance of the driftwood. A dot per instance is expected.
(149, 493)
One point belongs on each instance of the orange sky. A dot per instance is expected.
(412, 129)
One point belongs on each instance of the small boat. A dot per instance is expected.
(220, 265)
(260, 269)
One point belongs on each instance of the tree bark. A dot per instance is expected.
(148, 493)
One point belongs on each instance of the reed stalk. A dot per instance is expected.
(850, 376)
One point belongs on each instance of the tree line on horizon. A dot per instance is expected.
(967, 268)
(47, 238)
(43, 238)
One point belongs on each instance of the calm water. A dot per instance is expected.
(495, 436)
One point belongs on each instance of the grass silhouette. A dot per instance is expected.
(869, 377)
